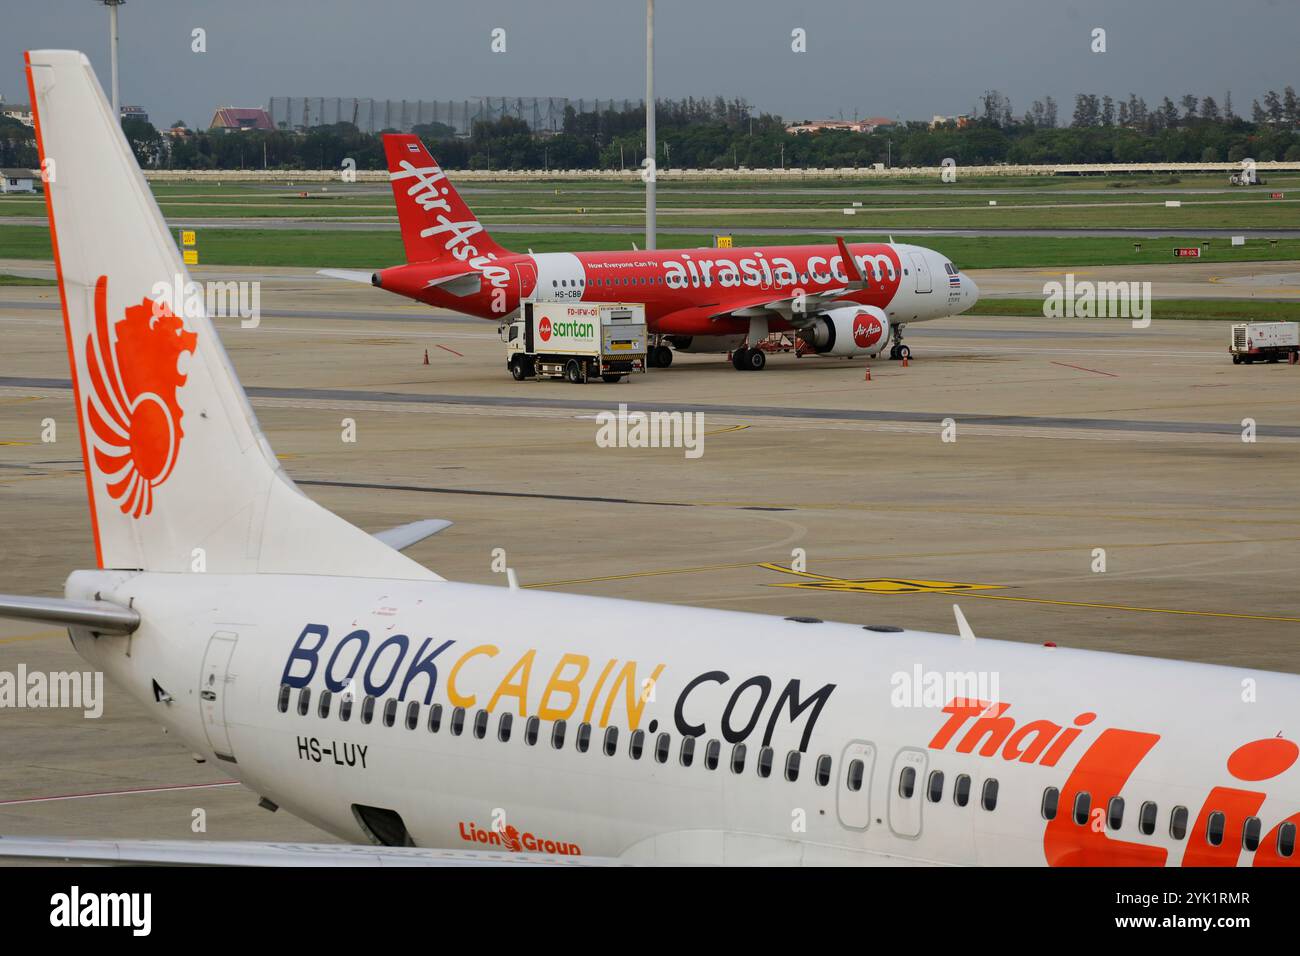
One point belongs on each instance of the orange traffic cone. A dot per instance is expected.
(867, 377)
(426, 356)
(904, 361)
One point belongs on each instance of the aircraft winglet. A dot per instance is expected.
(851, 269)
(963, 626)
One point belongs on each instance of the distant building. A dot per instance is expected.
(22, 114)
(852, 126)
(17, 181)
(543, 114)
(134, 113)
(961, 121)
(233, 119)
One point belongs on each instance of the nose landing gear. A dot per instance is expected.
(898, 350)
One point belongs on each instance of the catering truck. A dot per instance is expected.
(576, 341)
(1264, 342)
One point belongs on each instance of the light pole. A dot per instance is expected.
(650, 123)
(112, 34)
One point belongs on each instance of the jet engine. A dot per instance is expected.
(848, 330)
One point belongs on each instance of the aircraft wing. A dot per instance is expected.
(405, 535)
(351, 275)
(238, 853)
(786, 306)
(789, 307)
(465, 282)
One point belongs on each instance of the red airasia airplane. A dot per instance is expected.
(838, 300)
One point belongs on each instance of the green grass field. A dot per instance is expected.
(6, 279)
(373, 249)
(734, 205)
(740, 207)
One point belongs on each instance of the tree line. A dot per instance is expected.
(726, 134)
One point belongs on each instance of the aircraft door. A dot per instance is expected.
(853, 784)
(922, 270)
(527, 276)
(215, 681)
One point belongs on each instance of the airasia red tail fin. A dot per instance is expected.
(436, 224)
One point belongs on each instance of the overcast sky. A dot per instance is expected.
(873, 58)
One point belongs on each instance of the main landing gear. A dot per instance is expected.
(898, 350)
(658, 355)
(751, 358)
(748, 360)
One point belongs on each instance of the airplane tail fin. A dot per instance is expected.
(178, 473)
(436, 223)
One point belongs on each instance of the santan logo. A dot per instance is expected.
(581, 330)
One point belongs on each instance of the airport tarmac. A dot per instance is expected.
(1071, 436)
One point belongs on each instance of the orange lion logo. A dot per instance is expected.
(510, 839)
(134, 417)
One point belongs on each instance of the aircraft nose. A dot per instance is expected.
(969, 287)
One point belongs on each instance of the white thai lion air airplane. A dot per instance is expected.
(446, 722)
(839, 300)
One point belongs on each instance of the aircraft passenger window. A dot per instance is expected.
(1082, 804)
(636, 744)
(504, 725)
(367, 709)
(480, 724)
(557, 735)
(934, 791)
(738, 758)
(687, 754)
(390, 712)
(531, 728)
(283, 703)
(435, 718)
(853, 778)
(989, 796)
(1214, 828)
(323, 704)
(765, 761)
(792, 765)
(1178, 823)
(413, 715)
(1250, 835)
(1115, 813)
(345, 707)
(961, 790)
(1147, 819)
(584, 737)
(304, 701)
(1051, 800)
(823, 776)
(712, 753)
(663, 744)
(457, 721)
(611, 741)
(1286, 839)
(907, 783)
